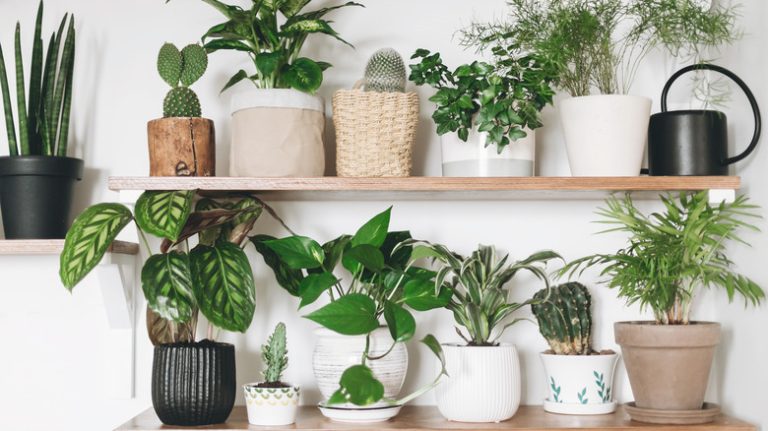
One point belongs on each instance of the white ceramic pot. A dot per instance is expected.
(277, 133)
(605, 135)
(483, 384)
(579, 385)
(334, 353)
(474, 159)
(271, 406)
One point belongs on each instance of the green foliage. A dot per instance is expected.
(502, 98)
(181, 102)
(275, 355)
(180, 69)
(670, 256)
(43, 117)
(564, 317)
(167, 283)
(385, 72)
(164, 214)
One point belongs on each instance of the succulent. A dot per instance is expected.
(564, 318)
(275, 355)
(385, 72)
(180, 69)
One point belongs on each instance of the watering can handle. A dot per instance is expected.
(741, 84)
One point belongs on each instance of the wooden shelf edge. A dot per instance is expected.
(55, 246)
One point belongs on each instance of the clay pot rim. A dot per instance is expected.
(650, 334)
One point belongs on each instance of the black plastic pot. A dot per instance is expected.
(36, 195)
(193, 384)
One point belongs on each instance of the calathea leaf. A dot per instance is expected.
(353, 314)
(303, 74)
(298, 252)
(88, 239)
(164, 214)
(287, 277)
(162, 331)
(207, 223)
(166, 280)
(400, 322)
(358, 386)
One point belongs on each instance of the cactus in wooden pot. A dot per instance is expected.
(564, 317)
(385, 72)
(180, 69)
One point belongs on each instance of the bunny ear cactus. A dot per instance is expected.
(275, 355)
(180, 69)
(385, 72)
(564, 318)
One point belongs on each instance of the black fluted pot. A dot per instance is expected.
(193, 384)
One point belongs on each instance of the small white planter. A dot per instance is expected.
(271, 406)
(605, 135)
(277, 133)
(483, 384)
(334, 353)
(579, 385)
(474, 159)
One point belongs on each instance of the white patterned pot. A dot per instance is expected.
(334, 353)
(474, 159)
(271, 406)
(483, 384)
(579, 385)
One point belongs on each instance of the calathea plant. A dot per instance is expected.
(383, 285)
(180, 69)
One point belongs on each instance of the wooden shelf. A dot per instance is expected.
(528, 418)
(55, 246)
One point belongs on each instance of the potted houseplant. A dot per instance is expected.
(487, 112)
(359, 364)
(37, 178)
(277, 130)
(182, 143)
(272, 402)
(484, 378)
(193, 383)
(579, 379)
(669, 258)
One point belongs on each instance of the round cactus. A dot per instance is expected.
(195, 63)
(180, 69)
(385, 72)
(181, 102)
(169, 64)
(564, 317)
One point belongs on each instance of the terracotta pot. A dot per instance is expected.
(182, 147)
(668, 365)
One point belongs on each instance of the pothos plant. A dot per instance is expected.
(384, 285)
(272, 33)
(214, 277)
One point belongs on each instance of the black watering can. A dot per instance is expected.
(695, 142)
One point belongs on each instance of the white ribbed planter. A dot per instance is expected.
(579, 385)
(483, 384)
(474, 159)
(334, 353)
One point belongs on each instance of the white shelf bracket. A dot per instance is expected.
(716, 196)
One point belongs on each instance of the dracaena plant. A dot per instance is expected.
(43, 114)
(272, 33)
(383, 285)
(215, 277)
(670, 256)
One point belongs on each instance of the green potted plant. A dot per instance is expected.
(214, 277)
(277, 129)
(37, 179)
(487, 112)
(182, 143)
(484, 378)
(579, 379)
(359, 364)
(670, 257)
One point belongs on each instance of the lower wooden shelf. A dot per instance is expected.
(529, 418)
(55, 246)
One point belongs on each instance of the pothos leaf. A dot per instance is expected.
(359, 386)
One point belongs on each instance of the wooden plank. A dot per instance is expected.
(528, 418)
(55, 246)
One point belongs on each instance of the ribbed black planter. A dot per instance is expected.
(36, 195)
(193, 384)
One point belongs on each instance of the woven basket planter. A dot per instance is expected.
(375, 133)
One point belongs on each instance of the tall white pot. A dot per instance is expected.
(579, 385)
(483, 384)
(605, 135)
(474, 159)
(277, 133)
(334, 353)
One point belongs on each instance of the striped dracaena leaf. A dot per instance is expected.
(166, 280)
(224, 285)
(89, 238)
(164, 214)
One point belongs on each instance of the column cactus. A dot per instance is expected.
(565, 319)
(180, 69)
(385, 72)
(275, 355)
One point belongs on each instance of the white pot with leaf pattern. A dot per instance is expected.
(271, 406)
(578, 384)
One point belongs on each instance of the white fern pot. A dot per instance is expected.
(483, 385)
(334, 353)
(277, 133)
(271, 406)
(579, 385)
(474, 159)
(605, 135)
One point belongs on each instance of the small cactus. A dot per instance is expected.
(180, 69)
(275, 355)
(385, 72)
(564, 317)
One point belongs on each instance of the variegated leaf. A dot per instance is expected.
(162, 331)
(166, 280)
(164, 214)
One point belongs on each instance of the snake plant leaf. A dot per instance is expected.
(353, 314)
(35, 85)
(224, 287)
(21, 101)
(163, 331)
(298, 252)
(89, 238)
(360, 386)
(287, 277)
(164, 213)
(314, 285)
(166, 280)
(10, 126)
(374, 231)
(401, 324)
(67, 69)
(304, 75)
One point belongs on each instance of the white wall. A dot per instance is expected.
(54, 343)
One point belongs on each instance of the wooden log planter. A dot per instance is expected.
(182, 146)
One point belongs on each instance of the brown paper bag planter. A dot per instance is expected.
(182, 146)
